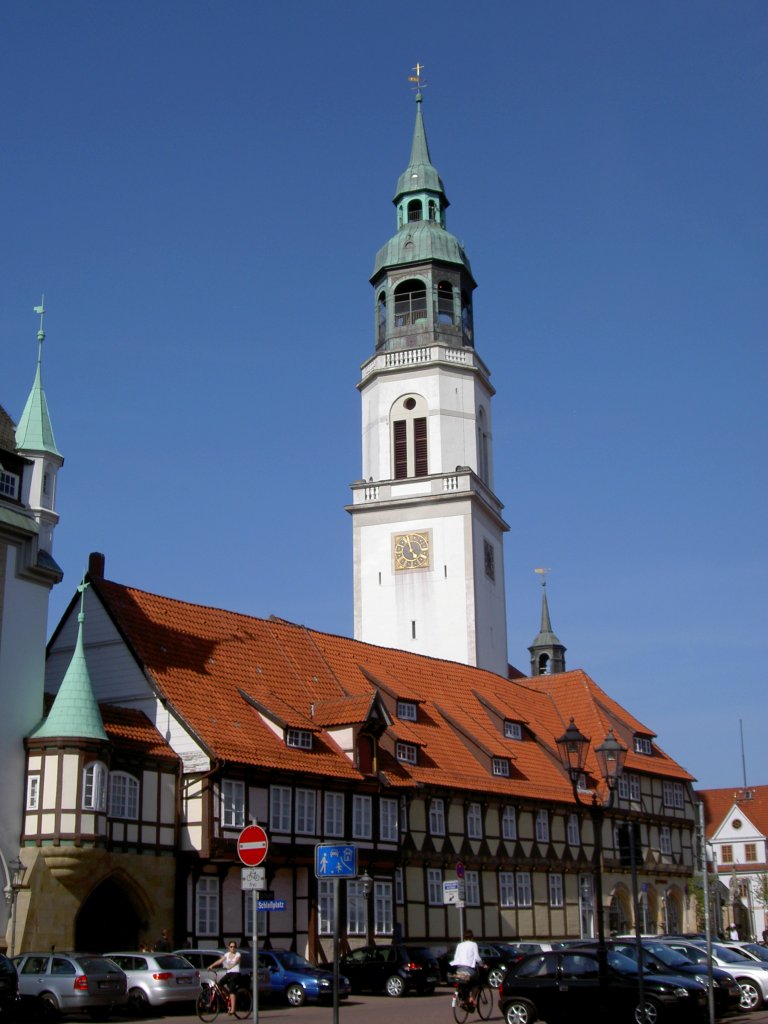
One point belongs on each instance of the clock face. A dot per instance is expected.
(411, 551)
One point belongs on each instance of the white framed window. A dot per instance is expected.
(542, 826)
(357, 923)
(436, 817)
(513, 730)
(555, 890)
(301, 738)
(261, 916)
(306, 818)
(665, 839)
(472, 888)
(280, 808)
(475, 821)
(634, 788)
(573, 833)
(674, 795)
(388, 820)
(383, 908)
(33, 792)
(9, 485)
(406, 752)
(123, 796)
(509, 823)
(500, 766)
(232, 803)
(399, 891)
(434, 887)
(581, 783)
(524, 895)
(361, 817)
(406, 709)
(95, 786)
(623, 787)
(325, 905)
(207, 905)
(506, 888)
(333, 814)
(643, 745)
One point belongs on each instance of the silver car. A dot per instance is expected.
(71, 982)
(203, 958)
(157, 979)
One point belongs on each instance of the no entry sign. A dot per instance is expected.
(252, 845)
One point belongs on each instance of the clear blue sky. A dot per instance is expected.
(200, 189)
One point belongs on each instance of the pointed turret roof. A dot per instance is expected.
(75, 712)
(546, 637)
(34, 432)
(420, 174)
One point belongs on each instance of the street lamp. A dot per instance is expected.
(573, 747)
(16, 871)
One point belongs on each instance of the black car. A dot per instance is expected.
(495, 955)
(662, 959)
(391, 969)
(9, 988)
(565, 985)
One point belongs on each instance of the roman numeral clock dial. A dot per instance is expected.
(411, 550)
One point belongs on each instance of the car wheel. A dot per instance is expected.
(395, 986)
(296, 995)
(519, 1011)
(494, 976)
(652, 1014)
(49, 1007)
(138, 1002)
(750, 994)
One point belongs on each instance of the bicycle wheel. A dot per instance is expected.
(243, 1003)
(484, 1002)
(208, 1004)
(460, 1010)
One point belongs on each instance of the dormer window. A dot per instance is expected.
(500, 766)
(406, 752)
(406, 710)
(643, 745)
(513, 730)
(9, 485)
(300, 738)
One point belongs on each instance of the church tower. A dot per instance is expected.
(427, 526)
(547, 653)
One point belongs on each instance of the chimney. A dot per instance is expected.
(96, 565)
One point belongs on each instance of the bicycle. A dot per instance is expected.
(463, 1004)
(213, 1000)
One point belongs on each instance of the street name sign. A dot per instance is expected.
(252, 845)
(270, 904)
(335, 861)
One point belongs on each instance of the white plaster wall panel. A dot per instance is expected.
(191, 837)
(232, 903)
(148, 835)
(30, 824)
(167, 797)
(149, 796)
(71, 781)
(258, 803)
(35, 762)
(48, 824)
(51, 781)
(68, 823)
(166, 836)
(118, 831)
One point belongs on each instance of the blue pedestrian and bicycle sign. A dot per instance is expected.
(335, 861)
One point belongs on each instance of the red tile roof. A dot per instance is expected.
(131, 730)
(718, 803)
(213, 666)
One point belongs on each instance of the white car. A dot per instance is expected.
(752, 950)
(751, 976)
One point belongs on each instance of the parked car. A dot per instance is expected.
(294, 978)
(751, 976)
(71, 983)
(496, 956)
(659, 958)
(9, 988)
(201, 959)
(157, 979)
(392, 969)
(565, 985)
(752, 950)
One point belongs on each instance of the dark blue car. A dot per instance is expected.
(297, 980)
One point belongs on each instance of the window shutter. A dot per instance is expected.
(420, 446)
(401, 450)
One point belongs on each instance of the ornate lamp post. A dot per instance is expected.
(573, 747)
(16, 871)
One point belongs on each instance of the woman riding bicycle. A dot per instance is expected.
(466, 960)
(230, 961)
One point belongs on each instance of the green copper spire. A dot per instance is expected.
(34, 432)
(547, 653)
(420, 175)
(75, 712)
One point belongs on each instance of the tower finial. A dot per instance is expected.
(418, 68)
(543, 573)
(41, 310)
(81, 589)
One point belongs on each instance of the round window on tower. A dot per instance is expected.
(410, 403)
(736, 823)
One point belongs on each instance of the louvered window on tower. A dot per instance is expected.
(410, 447)
(420, 446)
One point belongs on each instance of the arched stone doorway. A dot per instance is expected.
(108, 919)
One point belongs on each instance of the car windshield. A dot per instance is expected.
(757, 950)
(728, 956)
(669, 956)
(621, 963)
(170, 962)
(96, 964)
(506, 948)
(294, 961)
